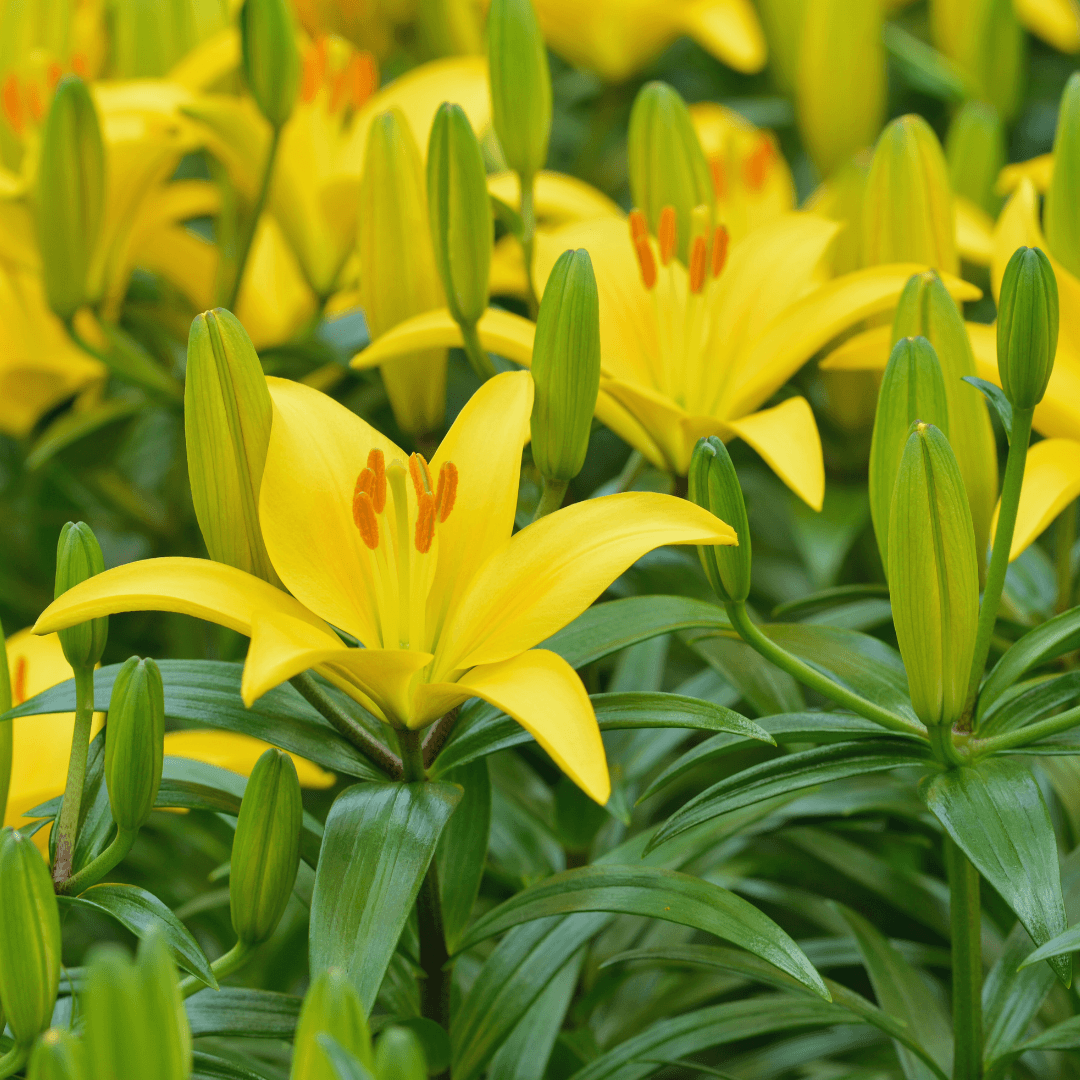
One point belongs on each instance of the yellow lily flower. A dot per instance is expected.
(417, 563)
(42, 744)
(617, 38)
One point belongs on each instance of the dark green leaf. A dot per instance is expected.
(127, 358)
(826, 598)
(238, 1011)
(927, 70)
(72, 426)
(767, 689)
(1068, 942)
(997, 400)
(462, 848)
(1011, 996)
(346, 1065)
(208, 1067)
(1025, 702)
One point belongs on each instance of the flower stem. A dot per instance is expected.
(813, 678)
(96, 870)
(433, 953)
(999, 559)
(945, 749)
(528, 240)
(14, 1060)
(475, 353)
(67, 825)
(1009, 740)
(551, 497)
(966, 919)
(6, 728)
(222, 967)
(248, 236)
(412, 756)
(439, 734)
(1065, 537)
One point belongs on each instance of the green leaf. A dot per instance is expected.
(208, 1067)
(824, 537)
(997, 400)
(127, 358)
(827, 598)
(925, 69)
(462, 848)
(996, 814)
(783, 775)
(1063, 1036)
(1068, 942)
(767, 689)
(244, 1013)
(508, 217)
(1025, 702)
(654, 893)
(141, 912)
(72, 426)
(346, 1065)
(378, 842)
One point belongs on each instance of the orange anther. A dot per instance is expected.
(421, 477)
(639, 229)
(18, 686)
(53, 74)
(719, 177)
(33, 101)
(12, 102)
(446, 492)
(698, 262)
(719, 249)
(79, 65)
(363, 512)
(667, 234)
(376, 462)
(756, 166)
(425, 523)
(363, 77)
(646, 261)
(311, 76)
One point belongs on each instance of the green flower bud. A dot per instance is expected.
(164, 1004)
(78, 557)
(927, 309)
(1027, 327)
(271, 57)
(714, 486)
(667, 164)
(227, 415)
(58, 1055)
(266, 848)
(912, 388)
(459, 213)
(933, 576)
(331, 1005)
(520, 85)
(29, 938)
(1061, 215)
(70, 197)
(975, 152)
(399, 1055)
(566, 367)
(135, 743)
(908, 206)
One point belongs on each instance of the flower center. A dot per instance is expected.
(18, 683)
(347, 84)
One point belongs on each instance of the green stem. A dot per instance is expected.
(248, 235)
(96, 870)
(1009, 740)
(999, 559)
(551, 497)
(475, 354)
(528, 240)
(945, 749)
(67, 825)
(1065, 538)
(6, 728)
(813, 678)
(433, 952)
(434, 743)
(966, 919)
(222, 968)
(345, 725)
(14, 1060)
(412, 755)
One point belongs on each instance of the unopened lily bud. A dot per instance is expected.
(164, 1004)
(520, 85)
(1061, 216)
(227, 415)
(912, 388)
(399, 1055)
(78, 557)
(840, 85)
(975, 152)
(29, 938)
(908, 206)
(933, 576)
(58, 1055)
(668, 167)
(266, 848)
(135, 743)
(271, 57)
(714, 485)
(566, 367)
(1027, 327)
(332, 1005)
(459, 213)
(926, 308)
(70, 196)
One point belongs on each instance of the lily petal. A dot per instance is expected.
(660, 416)
(1039, 170)
(557, 197)
(730, 30)
(1051, 482)
(239, 753)
(974, 232)
(865, 351)
(1057, 22)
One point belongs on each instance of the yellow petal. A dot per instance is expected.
(1038, 170)
(663, 420)
(208, 590)
(209, 62)
(865, 351)
(1057, 22)
(317, 450)
(238, 753)
(617, 418)
(730, 30)
(543, 693)
(555, 568)
(508, 277)
(1051, 482)
(786, 436)
(557, 197)
(974, 232)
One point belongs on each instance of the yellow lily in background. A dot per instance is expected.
(617, 38)
(42, 744)
(417, 563)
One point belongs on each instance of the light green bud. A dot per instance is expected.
(227, 416)
(713, 485)
(135, 743)
(459, 213)
(70, 197)
(911, 389)
(331, 1005)
(1061, 215)
(148, 37)
(266, 848)
(520, 85)
(667, 164)
(271, 57)
(933, 576)
(78, 557)
(58, 1055)
(1027, 327)
(908, 206)
(164, 1004)
(566, 367)
(29, 938)
(975, 152)
(399, 1055)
